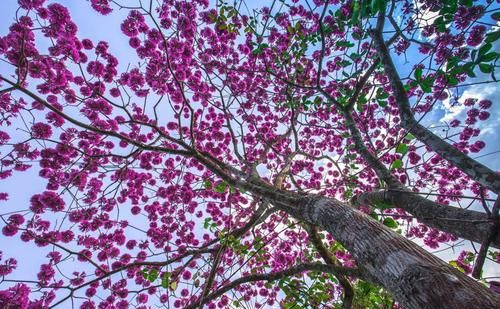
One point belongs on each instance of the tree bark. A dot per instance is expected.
(416, 278)
(467, 224)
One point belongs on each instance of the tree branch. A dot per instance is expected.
(330, 259)
(276, 276)
(469, 166)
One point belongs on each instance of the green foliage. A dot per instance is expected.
(492, 36)
(484, 57)
(310, 293)
(145, 273)
(220, 187)
(207, 184)
(425, 83)
(494, 254)
(383, 205)
(390, 222)
(418, 74)
(153, 274)
(396, 164)
(234, 243)
(409, 137)
(363, 9)
(222, 19)
(208, 224)
(260, 48)
(467, 260)
(367, 295)
(381, 97)
(165, 280)
(344, 44)
(447, 10)
(402, 148)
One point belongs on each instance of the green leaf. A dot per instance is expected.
(221, 187)
(397, 164)
(484, 49)
(488, 57)
(260, 48)
(207, 184)
(496, 16)
(206, 223)
(409, 136)
(355, 13)
(471, 73)
(473, 54)
(173, 286)
(492, 36)
(469, 68)
(485, 68)
(402, 149)
(165, 280)
(382, 4)
(452, 62)
(212, 17)
(144, 273)
(418, 73)
(153, 274)
(382, 103)
(452, 81)
(383, 205)
(426, 88)
(344, 44)
(454, 264)
(381, 94)
(426, 84)
(390, 222)
(467, 3)
(440, 24)
(354, 56)
(364, 9)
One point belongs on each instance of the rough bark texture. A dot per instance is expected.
(415, 277)
(469, 166)
(468, 224)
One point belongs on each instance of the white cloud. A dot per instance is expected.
(477, 91)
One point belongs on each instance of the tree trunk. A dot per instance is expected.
(467, 224)
(416, 278)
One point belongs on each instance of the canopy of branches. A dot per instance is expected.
(248, 154)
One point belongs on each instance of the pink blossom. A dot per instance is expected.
(101, 6)
(41, 130)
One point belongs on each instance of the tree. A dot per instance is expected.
(262, 157)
